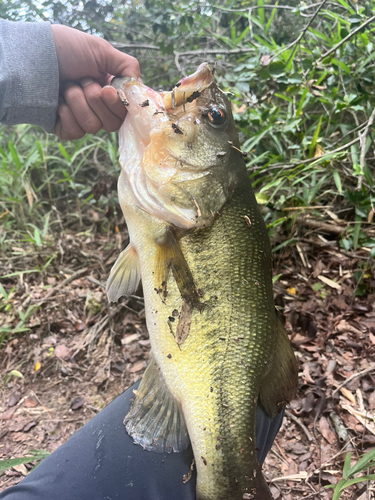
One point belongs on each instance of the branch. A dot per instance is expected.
(215, 51)
(295, 163)
(348, 37)
(363, 149)
(119, 45)
(303, 32)
(256, 7)
(177, 55)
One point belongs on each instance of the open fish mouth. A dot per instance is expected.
(189, 88)
(135, 95)
(155, 122)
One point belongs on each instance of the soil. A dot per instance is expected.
(79, 352)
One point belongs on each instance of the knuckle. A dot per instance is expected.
(73, 93)
(92, 124)
(93, 94)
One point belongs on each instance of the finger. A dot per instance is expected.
(67, 127)
(112, 100)
(110, 115)
(117, 63)
(85, 116)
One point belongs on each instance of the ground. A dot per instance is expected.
(79, 352)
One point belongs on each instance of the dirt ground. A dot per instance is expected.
(79, 353)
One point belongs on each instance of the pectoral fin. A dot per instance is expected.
(281, 382)
(155, 420)
(125, 275)
(170, 257)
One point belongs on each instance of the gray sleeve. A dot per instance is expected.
(29, 74)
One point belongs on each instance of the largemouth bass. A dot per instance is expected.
(200, 246)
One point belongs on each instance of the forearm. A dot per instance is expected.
(29, 75)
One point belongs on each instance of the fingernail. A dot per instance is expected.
(86, 81)
(110, 96)
(140, 80)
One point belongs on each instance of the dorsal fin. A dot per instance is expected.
(281, 382)
(125, 275)
(155, 420)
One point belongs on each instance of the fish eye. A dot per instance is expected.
(216, 117)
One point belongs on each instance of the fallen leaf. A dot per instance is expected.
(329, 282)
(61, 351)
(348, 395)
(130, 338)
(29, 426)
(371, 401)
(138, 366)
(326, 431)
(77, 403)
(13, 400)
(21, 469)
(30, 402)
(8, 414)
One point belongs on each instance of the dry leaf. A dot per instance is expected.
(348, 395)
(61, 351)
(138, 366)
(326, 431)
(329, 282)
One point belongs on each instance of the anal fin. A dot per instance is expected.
(125, 275)
(280, 384)
(155, 420)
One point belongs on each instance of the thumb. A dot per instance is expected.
(119, 64)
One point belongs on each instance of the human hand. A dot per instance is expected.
(87, 64)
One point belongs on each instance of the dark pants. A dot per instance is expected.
(100, 462)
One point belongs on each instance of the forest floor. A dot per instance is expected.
(80, 352)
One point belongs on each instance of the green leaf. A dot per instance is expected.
(35, 455)
(346, 468)
(261, 12)
(362, 463)
(64, 152)
(269, 22)
(336, 178)
(296, 78)
(315, 137)
(14, 155)
(301, 102)
(276, 69)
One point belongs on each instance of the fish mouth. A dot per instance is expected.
(189, 88)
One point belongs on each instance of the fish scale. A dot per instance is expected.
(230, 263)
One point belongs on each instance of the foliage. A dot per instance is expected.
(367, 461)
(33, 456)
(301, 77)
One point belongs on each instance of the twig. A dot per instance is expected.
(119, 45)
(287, 7)
(303, 32)
(315, 224)
(344, 40)
(298, 422)
(62, 285)
(295, 163)
(363, 148)
(177, 55)
(352, 377)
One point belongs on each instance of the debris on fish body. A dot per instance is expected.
(200, 246)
